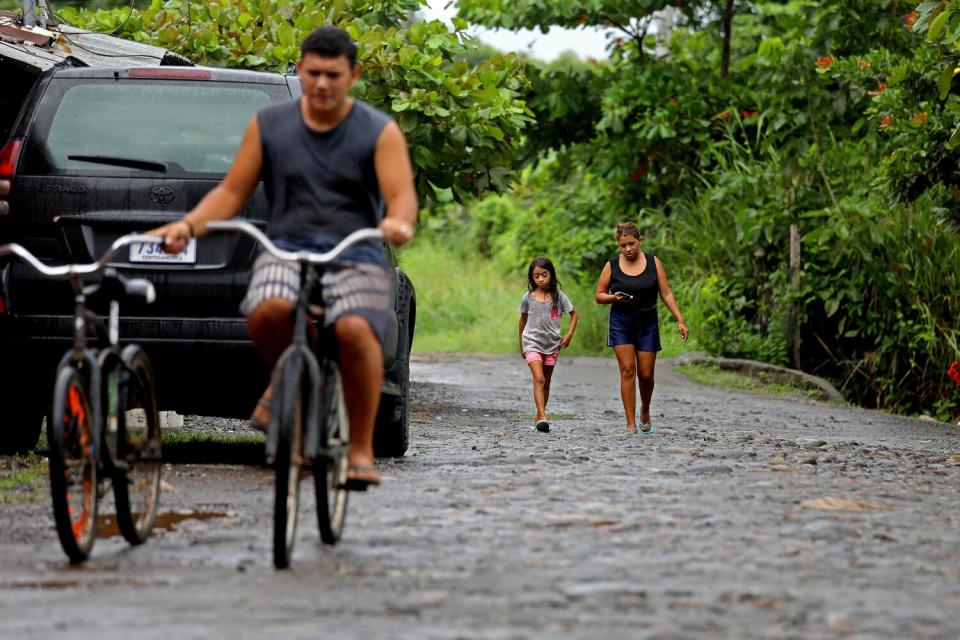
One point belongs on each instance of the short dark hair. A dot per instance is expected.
(330, 42)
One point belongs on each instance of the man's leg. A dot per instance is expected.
(361, 366)
(270, 326)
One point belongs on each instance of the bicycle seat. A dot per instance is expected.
(114, 286)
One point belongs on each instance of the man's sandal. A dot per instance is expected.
(264, 404)
(361, 476)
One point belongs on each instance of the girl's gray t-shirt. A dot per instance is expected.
(542, 332)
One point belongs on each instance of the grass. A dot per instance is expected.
(471, 306)
(22, 477)
(758, 383)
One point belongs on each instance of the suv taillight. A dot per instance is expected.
(8, 167)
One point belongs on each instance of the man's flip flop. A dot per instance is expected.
(543, 426)
(646, 427)
(361, 476)
(256, 424)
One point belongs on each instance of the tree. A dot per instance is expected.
(464, 122)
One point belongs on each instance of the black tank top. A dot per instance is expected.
(644, 288)
(321, 186)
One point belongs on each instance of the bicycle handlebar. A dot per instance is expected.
(299, 256)
(67, 270)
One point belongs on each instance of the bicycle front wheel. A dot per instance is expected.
(290, 399)
(136, 481)
(73, 465)
(330, 470)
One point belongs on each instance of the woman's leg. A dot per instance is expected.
(627, 361)
(539, 384)
(646, 360)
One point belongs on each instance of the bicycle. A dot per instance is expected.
(309, 428)
(100, 397)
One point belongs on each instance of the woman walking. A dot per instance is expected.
(631, 283)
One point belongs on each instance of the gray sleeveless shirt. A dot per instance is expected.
(322, 186)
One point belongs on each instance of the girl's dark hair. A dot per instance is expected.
(628, 229)
(330, 42)
(544, 263)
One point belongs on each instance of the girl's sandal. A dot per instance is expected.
(632, 429)
(646, 427)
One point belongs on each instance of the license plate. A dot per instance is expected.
(154, 253)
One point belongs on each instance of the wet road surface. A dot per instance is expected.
(741, 517)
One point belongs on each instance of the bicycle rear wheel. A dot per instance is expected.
(290, 399)
(330, 471)
(136, 481)
(73, 465)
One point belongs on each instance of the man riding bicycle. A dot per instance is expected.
(329, 163)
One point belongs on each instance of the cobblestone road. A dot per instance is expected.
(741, 517)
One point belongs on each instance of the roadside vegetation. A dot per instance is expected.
(23, 478)
(758, 383)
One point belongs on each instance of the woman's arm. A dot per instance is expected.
(603, 295)
(573, 326)
(667, 294)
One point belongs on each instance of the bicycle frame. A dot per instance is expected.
(79, 355)
(315, 442)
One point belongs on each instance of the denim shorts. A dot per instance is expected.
(639, 327)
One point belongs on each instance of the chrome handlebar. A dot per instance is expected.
(68, 270)
(298, 256)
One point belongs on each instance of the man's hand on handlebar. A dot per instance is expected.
(175, 235)
(396, 232)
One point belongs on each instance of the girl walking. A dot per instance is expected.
(541, 310)
(631, 284)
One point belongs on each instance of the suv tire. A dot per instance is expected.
(391, 437)
(23, 413)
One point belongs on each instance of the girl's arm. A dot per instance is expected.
(573, 326)
(523, 324)
(667, 294)
(603, 295)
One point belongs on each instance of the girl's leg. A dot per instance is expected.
(547, 375)
(645, 365)
(627, 361)
(539, 386)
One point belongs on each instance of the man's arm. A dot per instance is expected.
(395, 175)
(225, 200)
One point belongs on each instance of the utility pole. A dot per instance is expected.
(30, 11)
(663, 23)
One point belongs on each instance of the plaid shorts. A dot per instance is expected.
(360, 289)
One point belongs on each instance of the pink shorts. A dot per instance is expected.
(548, 359)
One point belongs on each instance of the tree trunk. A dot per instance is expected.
(727, 31)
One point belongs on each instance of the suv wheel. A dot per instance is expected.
(392, 435)
(22, 418)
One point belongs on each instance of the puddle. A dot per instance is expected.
(107, 524)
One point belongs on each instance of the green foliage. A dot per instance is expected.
(836, 117)
(464, 122)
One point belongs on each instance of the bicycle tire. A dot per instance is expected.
(73, 465)
(290, 402)
(136, 481)
(330, 472)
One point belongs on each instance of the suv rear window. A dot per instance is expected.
(165, 127)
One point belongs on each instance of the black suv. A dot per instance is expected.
(99, 152)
